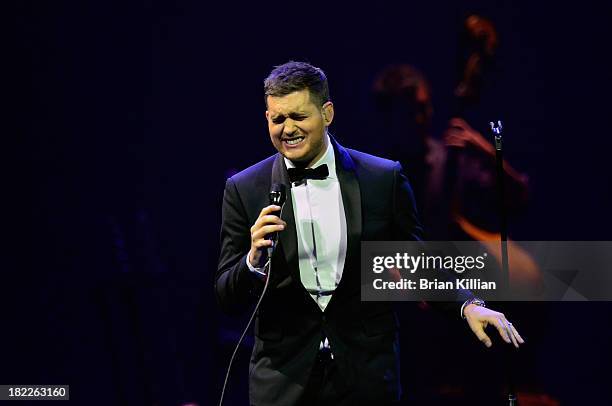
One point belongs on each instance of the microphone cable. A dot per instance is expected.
(267, 266)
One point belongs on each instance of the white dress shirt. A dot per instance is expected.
(321, 230)
(320, 224)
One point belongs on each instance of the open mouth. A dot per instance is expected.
(293, 141)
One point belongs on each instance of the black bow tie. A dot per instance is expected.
(299, 174)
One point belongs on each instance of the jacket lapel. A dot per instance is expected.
(287, 238)
(351, 199)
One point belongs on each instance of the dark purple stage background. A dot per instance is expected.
(129, 116)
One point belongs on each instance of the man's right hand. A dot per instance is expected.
(266, 223)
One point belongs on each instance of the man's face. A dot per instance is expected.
(297, 126)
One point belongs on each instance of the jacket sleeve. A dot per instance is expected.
(405, 218)
(408, 228)
(235, 285)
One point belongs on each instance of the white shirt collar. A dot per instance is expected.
(329, 159)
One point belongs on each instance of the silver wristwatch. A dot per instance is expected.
(474, 301)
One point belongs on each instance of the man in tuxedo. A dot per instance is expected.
(315, 341)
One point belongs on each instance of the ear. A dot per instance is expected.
(267, 115)
(328, 113)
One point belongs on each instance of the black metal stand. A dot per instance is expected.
(496, 128)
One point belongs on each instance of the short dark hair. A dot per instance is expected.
(295, 76)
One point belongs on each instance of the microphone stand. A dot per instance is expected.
(496, 128)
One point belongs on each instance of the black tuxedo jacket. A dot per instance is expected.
(379, 205)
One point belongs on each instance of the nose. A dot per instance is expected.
(289, 127)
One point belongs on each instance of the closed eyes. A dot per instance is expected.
(293, 116)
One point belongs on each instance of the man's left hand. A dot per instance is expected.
(479, 317)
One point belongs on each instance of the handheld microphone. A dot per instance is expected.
(278, 196)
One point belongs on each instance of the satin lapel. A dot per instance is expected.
(351, 199)
(287, 238)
